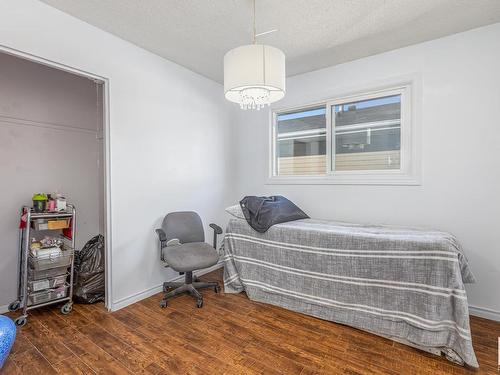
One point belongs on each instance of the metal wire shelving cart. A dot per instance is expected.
(45, 280)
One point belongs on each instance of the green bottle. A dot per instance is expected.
(39, 202)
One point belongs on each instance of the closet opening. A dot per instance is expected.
(53, 163)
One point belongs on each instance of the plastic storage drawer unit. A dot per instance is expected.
(46, 270)
(45, 274)
(47, 295)
(53, 282)
(47, 262)
(44, 224)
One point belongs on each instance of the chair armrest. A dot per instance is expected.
(217, 230)
(161, 235)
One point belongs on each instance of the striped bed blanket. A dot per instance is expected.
(402, 283)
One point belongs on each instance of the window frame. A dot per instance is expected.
(407, 174)
(274, 138)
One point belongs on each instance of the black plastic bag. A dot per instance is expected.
(89, 272)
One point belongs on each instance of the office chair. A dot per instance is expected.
(186, 252)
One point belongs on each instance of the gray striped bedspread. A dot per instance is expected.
(403, 283)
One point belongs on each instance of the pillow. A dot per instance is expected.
(262, 213)
(236, 211)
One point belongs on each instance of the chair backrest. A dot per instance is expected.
(186, 226)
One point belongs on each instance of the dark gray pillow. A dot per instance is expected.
(263, 212)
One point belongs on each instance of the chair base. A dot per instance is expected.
(188, 286)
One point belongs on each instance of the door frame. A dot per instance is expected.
(106, 154)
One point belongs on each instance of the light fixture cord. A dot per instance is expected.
(254, 30)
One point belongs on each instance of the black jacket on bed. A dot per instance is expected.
(263, 212)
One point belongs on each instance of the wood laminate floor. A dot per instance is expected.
(229, 335)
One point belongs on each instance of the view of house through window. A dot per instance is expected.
(301, 142)
(368, 134)
(362, 133)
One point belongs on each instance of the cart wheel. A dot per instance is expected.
(20, 321)
(163, 304)
(199, 303)
(66, 309)
(14, 306)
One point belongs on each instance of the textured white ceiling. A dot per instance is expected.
(312, 33)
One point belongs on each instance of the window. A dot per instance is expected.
(364, 138)
(301, 142)
(367, 134)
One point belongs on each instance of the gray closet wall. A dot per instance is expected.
(50, 140)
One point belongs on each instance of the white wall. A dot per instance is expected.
(171, 135)
(48, 127)
(460, 150)
(169, 131)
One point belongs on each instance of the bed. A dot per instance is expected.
(403, 283)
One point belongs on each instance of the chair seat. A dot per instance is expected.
(190, 256)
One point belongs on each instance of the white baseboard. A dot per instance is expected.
(483, 312)
(123, 302)
(4, 309)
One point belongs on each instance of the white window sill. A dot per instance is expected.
(347, 179)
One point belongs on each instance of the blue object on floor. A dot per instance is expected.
(7, 337)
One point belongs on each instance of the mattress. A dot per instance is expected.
(402, 283)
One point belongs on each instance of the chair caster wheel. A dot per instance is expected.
(14, 306)
(21, 321)
(199, 303)
(67, 308)
(163, 304)
(217, 289)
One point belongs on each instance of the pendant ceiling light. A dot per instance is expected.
(254, 74)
